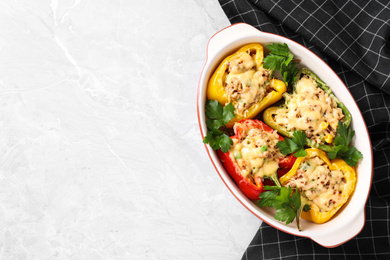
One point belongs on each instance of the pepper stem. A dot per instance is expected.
(299, 212)
(325, 148)
(304, 202)
(275, 179)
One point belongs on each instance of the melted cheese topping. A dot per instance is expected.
(311, 110)
(244, 84)
(318, 184)
(257, 153)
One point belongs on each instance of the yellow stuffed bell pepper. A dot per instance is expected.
(241, 79)
(325, 185)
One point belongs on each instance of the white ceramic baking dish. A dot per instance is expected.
(349, 221)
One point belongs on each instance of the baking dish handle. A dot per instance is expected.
(331, 240)
(226, 36)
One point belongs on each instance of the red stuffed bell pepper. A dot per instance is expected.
(255, 157)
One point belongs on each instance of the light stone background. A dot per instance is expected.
(100, 151)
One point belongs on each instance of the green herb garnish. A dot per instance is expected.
(306, 208)
(264, 148)
(287, 205)
(342, 147)
(280, 58)
(295, 145)
(217, 118)
(237, 155)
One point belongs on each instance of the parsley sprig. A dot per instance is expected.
(342, 147)
(286, 202)
(280, 58)
(217, 118)
(295, 145)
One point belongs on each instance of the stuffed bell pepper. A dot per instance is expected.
(325, 185)
(254, 157)
(241, 79)
(312, 108)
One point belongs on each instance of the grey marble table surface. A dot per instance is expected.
(100, 151)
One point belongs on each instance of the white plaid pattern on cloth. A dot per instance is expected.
(353, 37)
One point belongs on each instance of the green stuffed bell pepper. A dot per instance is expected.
(311, 107)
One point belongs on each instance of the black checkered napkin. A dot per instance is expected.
(353, 37)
